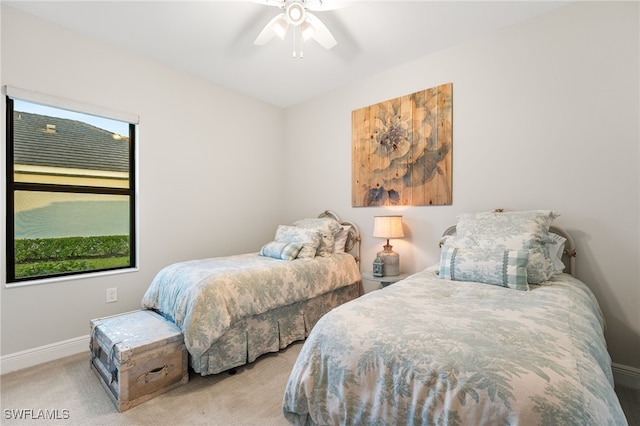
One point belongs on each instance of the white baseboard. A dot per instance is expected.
(626, 376)
(31, 357)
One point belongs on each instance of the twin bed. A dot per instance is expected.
(499, 332)
(233, 309)
(465, 342)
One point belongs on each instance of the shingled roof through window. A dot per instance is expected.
(42, 140)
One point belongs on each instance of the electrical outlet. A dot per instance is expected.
(112, 295)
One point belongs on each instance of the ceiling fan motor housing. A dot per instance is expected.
(295, 11)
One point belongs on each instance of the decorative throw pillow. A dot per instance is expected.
(539, 267)
(513, 230)
(505, 268)
(532, 225)
(327, 227)
(340, 243)
(281, 250)
(308, 238)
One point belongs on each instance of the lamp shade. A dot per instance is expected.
(387, 227)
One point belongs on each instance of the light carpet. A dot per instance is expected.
(69, 390)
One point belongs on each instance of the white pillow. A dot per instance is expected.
(556, 249)
(340, 243)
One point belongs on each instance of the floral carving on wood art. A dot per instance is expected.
(402, 150)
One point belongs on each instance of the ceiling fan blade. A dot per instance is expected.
(321, 34)
(315, 5)
(322, 5)
(274, 26)
(277, 3)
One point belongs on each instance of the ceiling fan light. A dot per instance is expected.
(306, 30)
(280, 27)
(306, 25)
(321, 33)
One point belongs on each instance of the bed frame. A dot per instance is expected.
(272, 331)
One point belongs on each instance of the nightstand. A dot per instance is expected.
(385, 281)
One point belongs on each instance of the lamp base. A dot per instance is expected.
(390, 262)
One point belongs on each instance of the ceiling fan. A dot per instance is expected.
(305, 24)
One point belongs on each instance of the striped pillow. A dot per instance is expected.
(505, 268)
(281, 250)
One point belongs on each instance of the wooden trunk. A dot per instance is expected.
(137, 356)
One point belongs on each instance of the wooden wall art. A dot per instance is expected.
(401, 150)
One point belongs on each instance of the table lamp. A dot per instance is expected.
(388, 227)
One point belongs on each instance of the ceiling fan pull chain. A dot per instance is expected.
(301, 41)
(297, 37)
(294, 42)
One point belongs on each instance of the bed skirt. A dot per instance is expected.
(271, 331)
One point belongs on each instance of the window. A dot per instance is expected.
(70, 192)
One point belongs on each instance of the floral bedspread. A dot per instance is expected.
(205, 297)
(431, 351)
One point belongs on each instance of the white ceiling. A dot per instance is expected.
(214, 39)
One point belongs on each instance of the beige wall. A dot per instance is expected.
(545, 116)
(201, 190)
